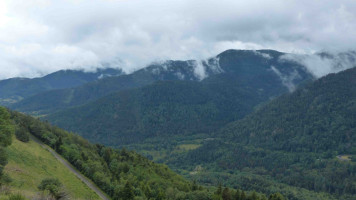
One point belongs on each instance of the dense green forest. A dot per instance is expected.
(16, 89)
(115, 171)
(230, 128)
(167, 108)
(304, 139)
(54, 100)
(158, 110)
(6, 131)
(122, 174)
(253, 68)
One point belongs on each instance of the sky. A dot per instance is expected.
(42, 36)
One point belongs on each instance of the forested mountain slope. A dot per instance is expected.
(318, 118)
(55, 100)
(110, 169)
(6, 131)
(253, 67)
(15, 89)
(169, 108)
(305, 139)
(120, 173)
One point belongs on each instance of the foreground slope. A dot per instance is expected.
(120, 173)
(6, 132)
(116, 172)
(29, 164)
(16, 89)
(297, 139)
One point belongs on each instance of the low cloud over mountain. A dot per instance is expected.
(42, 36)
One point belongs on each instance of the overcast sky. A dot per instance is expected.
(42, 36)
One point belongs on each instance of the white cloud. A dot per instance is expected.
(287, 79)
(41, 36)
(199, 70)
(322, 64)
(264, 55)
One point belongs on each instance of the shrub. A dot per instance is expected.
(22, 134)
(53, 186)
(16, 197)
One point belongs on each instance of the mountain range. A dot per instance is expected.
(298, 139)
(246, 65)
(254, 120)
(138, 107)
(15, 89)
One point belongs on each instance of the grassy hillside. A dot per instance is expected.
(29, 164)
(298, 139)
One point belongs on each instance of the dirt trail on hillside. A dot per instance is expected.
(72, 169)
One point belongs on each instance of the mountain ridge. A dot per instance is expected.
(184, 107)
(16, 89)
(226, 62)
(295, 139)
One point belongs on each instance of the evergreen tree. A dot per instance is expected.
(263, 197)
(237, 195)
(3, 161)
(276, 196)
(6, 131)
(21, 134)
(107, 155)
(226, 194)
(243, 196)
(195, 185)
(127, 192)
(161, 195)
(57, 145)
(219, 190)
(253, 196)
(148, 191)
